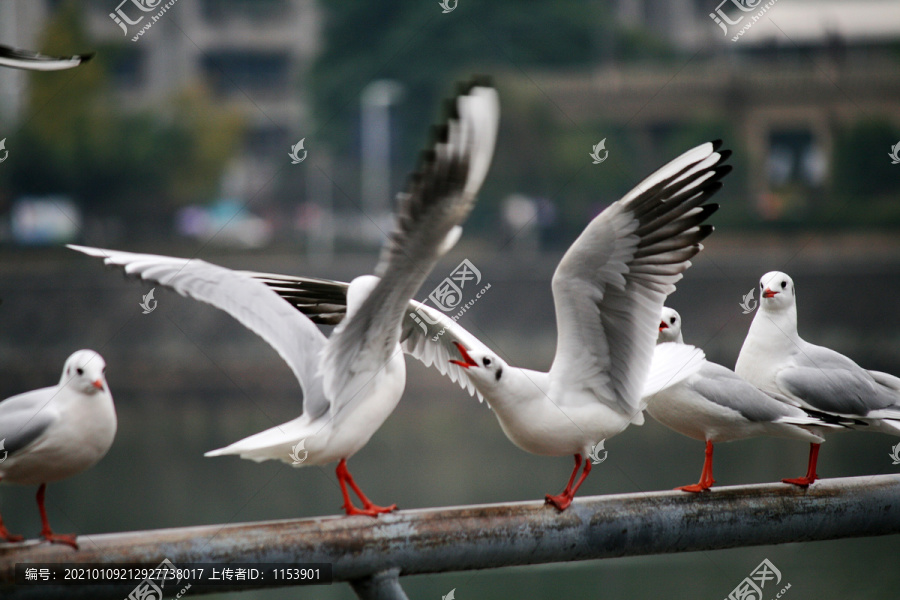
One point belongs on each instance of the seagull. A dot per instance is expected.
(715, 405)
(609, 289)
(351, 381)
(56, 432)
(33, 61)
(777, 360)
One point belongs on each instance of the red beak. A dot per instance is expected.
(98, 384)
(662, 325)
(465, 355)
(769, 293)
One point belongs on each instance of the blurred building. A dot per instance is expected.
(252, 54)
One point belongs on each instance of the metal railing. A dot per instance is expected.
(371, 554)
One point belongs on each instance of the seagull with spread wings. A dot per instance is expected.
(609, 289)
(353, 380)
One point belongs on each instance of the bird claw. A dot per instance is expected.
(694, 488)
(800, 481)
(561, 502)
(9, 537)
(60, 538)
(370, 510)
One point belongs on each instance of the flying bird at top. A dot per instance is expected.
(33, 61)
(777, 360)
(608, 289)
(715, 405)
(353, 380)
(56, 432)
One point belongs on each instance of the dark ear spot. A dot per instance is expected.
(499, 373)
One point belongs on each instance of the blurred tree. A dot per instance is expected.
(76, 140)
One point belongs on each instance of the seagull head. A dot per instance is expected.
(669, 326)
(483, 367)
(776, 290)
(85, 371)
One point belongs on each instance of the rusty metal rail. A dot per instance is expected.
(371, 554)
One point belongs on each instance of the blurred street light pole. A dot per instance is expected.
(375, 102)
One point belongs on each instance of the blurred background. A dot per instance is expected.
(175, 139)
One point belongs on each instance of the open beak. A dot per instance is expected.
(98, 384)
(466, 361)
(769, 293)
(662, 325)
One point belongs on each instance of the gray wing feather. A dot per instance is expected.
(296, 339)
(438, 198)
(725, 388)
(610, 286)
(25, 417)
(829, 381)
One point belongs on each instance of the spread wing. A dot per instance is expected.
(610, 286)
(296, 339)
(427, 334)
(438, 198)
(32, 61)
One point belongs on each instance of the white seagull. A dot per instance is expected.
(353, 380)
(33, 61)
(776, 359)
(715, 405)
(609, 290)
(56, 432)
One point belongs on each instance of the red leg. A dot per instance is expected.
(706, 476)
(46, 532)
(369, 508)
(563, 500)
(811, 475)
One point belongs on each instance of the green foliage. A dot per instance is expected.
(77, 140)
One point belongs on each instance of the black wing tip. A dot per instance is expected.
(716, 144)
(708, 209)
(725, 155)
(86, 57)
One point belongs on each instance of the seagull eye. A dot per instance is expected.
(783, 284)
(672, 320)
(486, 361)
(80, 371)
